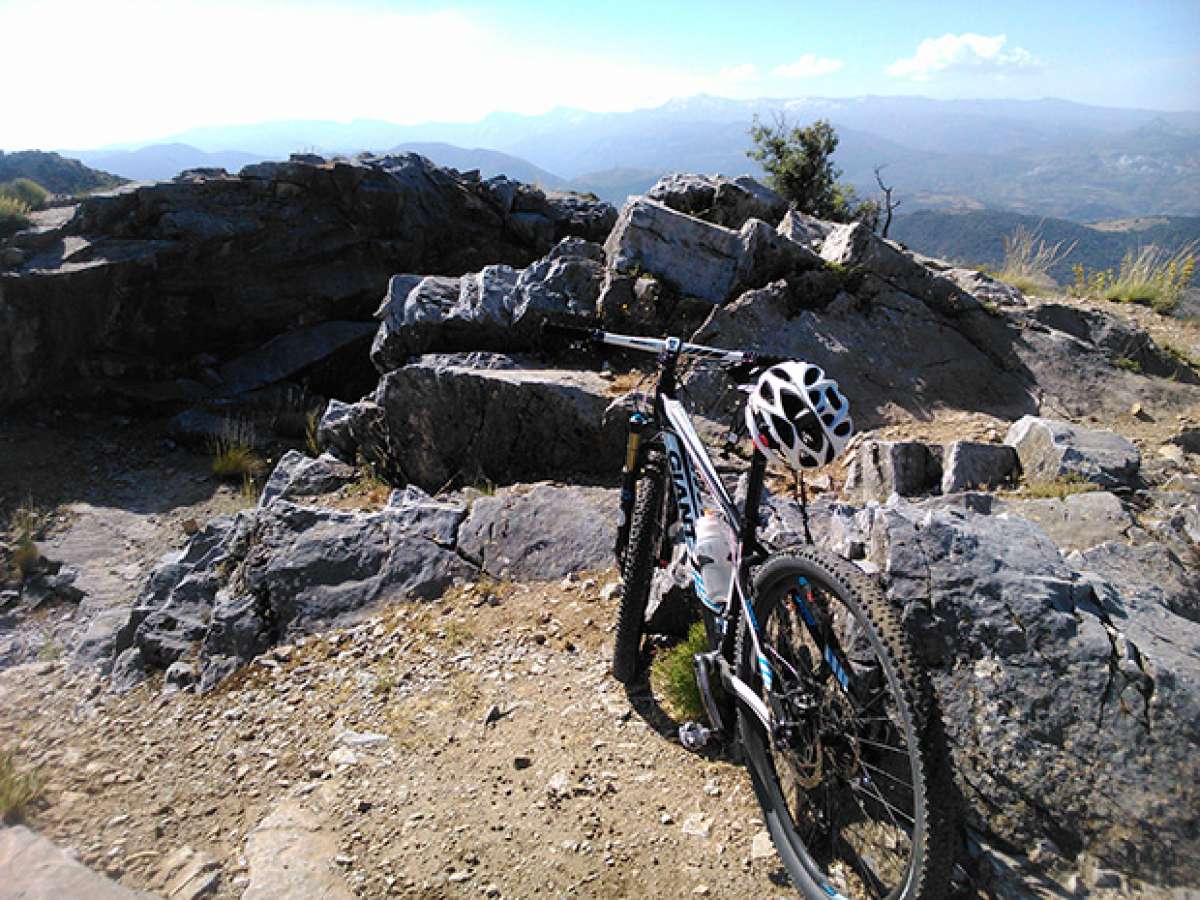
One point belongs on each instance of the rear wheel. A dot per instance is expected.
(851, 781)
(637, 569)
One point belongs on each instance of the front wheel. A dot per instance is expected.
(852, 776)
(637, 569)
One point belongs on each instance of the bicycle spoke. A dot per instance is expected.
(863, 740)
(878, 797)
(872, 880)
(886, 774)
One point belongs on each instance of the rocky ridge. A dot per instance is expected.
(1061, 633)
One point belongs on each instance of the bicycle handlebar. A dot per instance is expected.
(662, 345)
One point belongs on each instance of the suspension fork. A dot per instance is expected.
(629, 478)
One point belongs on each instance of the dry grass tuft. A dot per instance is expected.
(1028, 260)
(234, 456)
(26, 522)
(18, 790)
(1058, 489)
(1150, 276)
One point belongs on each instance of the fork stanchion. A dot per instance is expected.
(629, 473)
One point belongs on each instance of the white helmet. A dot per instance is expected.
(797, 416)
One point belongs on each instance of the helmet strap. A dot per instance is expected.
(798, 487)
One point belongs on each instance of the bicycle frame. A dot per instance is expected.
(688, 460)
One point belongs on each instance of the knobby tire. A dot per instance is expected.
(637, 569)
(865, 767)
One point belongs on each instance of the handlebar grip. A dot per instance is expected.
(575, 332)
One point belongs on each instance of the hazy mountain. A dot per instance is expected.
(1047, 157)
(977, 237)
(160, 162)
(614, 185)
(488, 162)
(57, 174)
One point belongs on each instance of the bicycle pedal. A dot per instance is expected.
(694, 736)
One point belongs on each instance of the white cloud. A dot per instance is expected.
(808, 66)
(140, 70)
(962, 53)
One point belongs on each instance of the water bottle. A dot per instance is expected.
(714, 558)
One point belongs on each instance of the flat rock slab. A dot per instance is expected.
(446, 419)
(32, 868)
(291, 854)
(292, 352)
(1076, 522)
(545, 532)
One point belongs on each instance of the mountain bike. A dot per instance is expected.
(808, 666)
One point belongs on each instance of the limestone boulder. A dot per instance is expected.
(718, 199)
(857, 246)
(890, 353)
(1077, 521)
(1050, 450)
(462, 419)
(243, 583)
(498, 308)
(142, 281)
(1120, 341)
(697, 259)
(968, 465)
(882, 468)
(299, 475)
(1045, 663)
(805, 229)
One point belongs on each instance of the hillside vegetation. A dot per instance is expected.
(976, 237)
(55, 173)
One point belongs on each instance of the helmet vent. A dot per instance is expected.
(783, 428)
(793, 405)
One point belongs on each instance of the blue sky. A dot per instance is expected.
(131, 70)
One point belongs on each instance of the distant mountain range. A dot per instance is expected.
(1044, 158)
(976, 237)
(159, 162)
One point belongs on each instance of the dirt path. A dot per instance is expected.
(474, 745)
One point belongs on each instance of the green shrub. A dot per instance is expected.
(17, 789)
(1129, 365)
(25, 190)
(14, 216)
(674, 679)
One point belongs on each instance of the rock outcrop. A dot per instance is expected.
(243, 583)
(462, 419)
(723, 201)
(140, 281)
(698, 260)
(497, 308)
